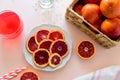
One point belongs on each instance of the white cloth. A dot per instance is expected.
(109, 73)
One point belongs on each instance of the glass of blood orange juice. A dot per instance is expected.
(10, 24)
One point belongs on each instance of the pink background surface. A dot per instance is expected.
(11, 50)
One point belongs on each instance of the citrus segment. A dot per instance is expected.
(29, 75)
(54, 60)
(56, 34)
(31, 44)
(59, 46)
(41, 34)
(45, 44)
(86, 50)
(40, 57)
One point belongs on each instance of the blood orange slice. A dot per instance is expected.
(59, 46)
(29, 74)
(45, 44)
(55, 60)
(40, 57)
(56, 34)
(31, 44)
(41, 34)
(86, 50)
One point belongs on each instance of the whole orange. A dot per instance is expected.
(111, 27)
(110, 8)
(91, 13)
(77, 8)
(91, 1)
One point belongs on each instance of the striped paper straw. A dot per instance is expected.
(12, 74)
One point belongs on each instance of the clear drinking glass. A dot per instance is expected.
(46, 3)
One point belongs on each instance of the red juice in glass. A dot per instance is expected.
(10, 24)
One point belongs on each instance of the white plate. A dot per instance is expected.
(28, 56)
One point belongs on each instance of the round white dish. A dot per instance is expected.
(28, 56)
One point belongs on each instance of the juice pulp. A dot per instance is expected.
(10, 24)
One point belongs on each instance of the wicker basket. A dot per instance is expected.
(84, 26)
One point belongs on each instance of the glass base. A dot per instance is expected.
(46, 3)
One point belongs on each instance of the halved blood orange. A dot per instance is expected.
(31, 44)
(55, 60)
(86, 50)
(56, 34)
(45, 44)
(59, 46)
(29, 74)
(41, 34)
(40, 57)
